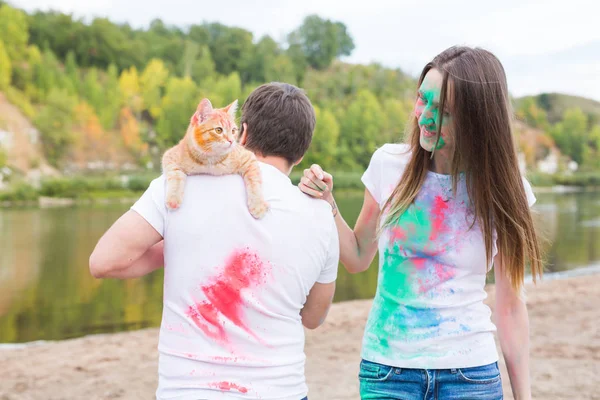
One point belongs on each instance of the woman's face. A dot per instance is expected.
(428, 113)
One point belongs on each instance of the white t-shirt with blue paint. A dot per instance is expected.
(429, 309)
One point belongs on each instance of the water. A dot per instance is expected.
(46, 292)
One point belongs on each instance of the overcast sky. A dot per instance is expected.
(545, 45)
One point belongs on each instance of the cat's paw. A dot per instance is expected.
(173, 201)
(258, 209)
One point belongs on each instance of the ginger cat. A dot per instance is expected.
(209, 147)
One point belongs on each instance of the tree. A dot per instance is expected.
(54, 122)
(592, 150)
(197, 62)
(322, 41)
(92, 91)
(129, 84)
(529, 112)
(130, 132)
(152, 82)
(72, 71)
(260, 67)
(298, 59)
(397, 112)
(14, 32)
(47, 74)
(203, 67)
(323, 148)
(226, 90)
(361, 129)
(231, 49)
(570, 134)
(112, 98)
(178, 106)
(5, 68)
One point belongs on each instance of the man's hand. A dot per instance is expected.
(129, 249)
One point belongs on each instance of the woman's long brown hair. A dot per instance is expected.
(485, 151)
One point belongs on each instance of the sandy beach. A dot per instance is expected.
(565, 354)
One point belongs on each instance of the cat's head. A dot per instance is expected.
(213, 130)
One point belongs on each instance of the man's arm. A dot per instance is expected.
(321, 294)
(317, 304)
(130, 248)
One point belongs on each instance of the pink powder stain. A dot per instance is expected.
(419, 263)
(225, 359)
(228, 386)
(243, 270)
(444, 273)
(439, 209)
(397, 234)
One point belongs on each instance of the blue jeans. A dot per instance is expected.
(381, 382)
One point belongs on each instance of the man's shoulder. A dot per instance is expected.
(310, 204)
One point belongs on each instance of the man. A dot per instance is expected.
(237, 290)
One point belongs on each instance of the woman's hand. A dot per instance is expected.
(317, 183)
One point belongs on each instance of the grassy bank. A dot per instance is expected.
(131, 186)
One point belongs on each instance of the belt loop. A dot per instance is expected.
(453, 371)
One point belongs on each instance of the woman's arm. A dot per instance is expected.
(513, 331)
(359, 245)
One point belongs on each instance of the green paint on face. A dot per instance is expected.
(427, 110)
(440, 144)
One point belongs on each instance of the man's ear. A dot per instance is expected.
(244, 134)
(299, 161)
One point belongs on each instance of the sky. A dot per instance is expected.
(544, 45)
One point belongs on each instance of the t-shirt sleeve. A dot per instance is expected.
(529, 192)
(372, 176)
(330, 269)
(151, 206)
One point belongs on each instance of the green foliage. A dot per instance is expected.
(570, 134)
(322, 41)
(529, 112)
(323, 149)
(109, 111)
(3, 157)
(362, 128)
(54, 122)
(158, 75)
(19, 192)
(178, 105)
(5, 67)
(14, 32)
(152, 82)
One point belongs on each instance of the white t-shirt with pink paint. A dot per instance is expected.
(428, 312)
(234, 286)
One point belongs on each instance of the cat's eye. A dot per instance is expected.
(219, 130)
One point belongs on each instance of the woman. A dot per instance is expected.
(442, 210)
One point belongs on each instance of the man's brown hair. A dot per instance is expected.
(281, 121)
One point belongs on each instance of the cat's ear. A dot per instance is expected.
(232, 109)
(203, 111)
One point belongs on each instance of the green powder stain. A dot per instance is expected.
(429, 96)
(396, 314)
(397, 284)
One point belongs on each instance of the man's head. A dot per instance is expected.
(278, 120)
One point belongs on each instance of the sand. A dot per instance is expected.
(565, 354)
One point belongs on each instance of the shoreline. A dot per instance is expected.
(565, 353)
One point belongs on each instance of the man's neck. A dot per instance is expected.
(277, 162)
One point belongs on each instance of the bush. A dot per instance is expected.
(19, 192)
(138, 183)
